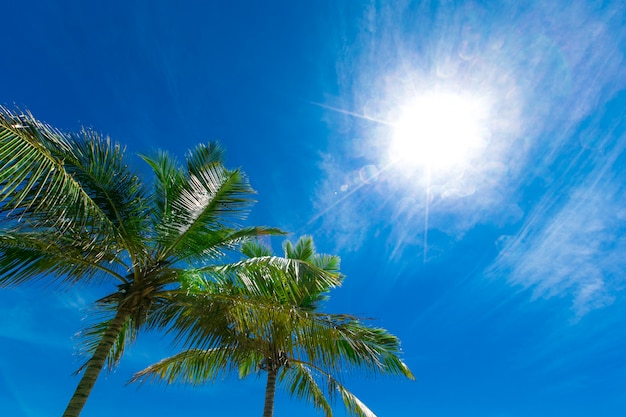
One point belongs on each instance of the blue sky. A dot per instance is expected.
(502, 273)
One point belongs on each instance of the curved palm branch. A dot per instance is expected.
(309, 383)
(28, 165)
(301, 383)
(197, 204)
(73, 193)
(99, 165)
(291, 281)
(47, 180)
(30, 255)
(93, 335)
(193, 366)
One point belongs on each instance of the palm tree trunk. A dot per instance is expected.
(270, 388)
(95, 364)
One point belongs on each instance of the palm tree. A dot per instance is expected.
(73, 212)
(279, 330)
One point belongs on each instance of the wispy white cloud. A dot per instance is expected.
(572, 244)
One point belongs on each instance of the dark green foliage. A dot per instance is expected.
(73, 212)
(262, 315)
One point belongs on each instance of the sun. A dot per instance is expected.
(438, 131)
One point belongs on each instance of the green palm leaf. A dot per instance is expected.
(99, 165)
(196, 207)
(301, 382)
(93, 335)
(34, 255)
(353, 404)
(34, 181)
(195, 366)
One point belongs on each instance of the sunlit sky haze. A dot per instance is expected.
(466, 159)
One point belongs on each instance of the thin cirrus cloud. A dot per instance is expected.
(572, 243)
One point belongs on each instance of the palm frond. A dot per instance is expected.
(374, 349)
(98, 164)
(290, 281)
(34, 182)
(219, 319)
(193, 366)
(303, 250)
(255, 249)
(35, 255)
(26, 160)
(169, 182)
(202, 157)
(301, 383)
(93, 335)
(250, 363)
(209, 199)
(329, 263)
(211, 245)
(353, 404)
(312, 280)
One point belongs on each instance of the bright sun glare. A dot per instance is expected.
(438, 131)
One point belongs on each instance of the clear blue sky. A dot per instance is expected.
(503, 273)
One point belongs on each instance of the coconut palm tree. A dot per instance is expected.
(279, 329)
(73, 212)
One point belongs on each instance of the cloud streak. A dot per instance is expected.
(572, 244)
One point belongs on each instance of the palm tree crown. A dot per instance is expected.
(73, 212)
(277, 328)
